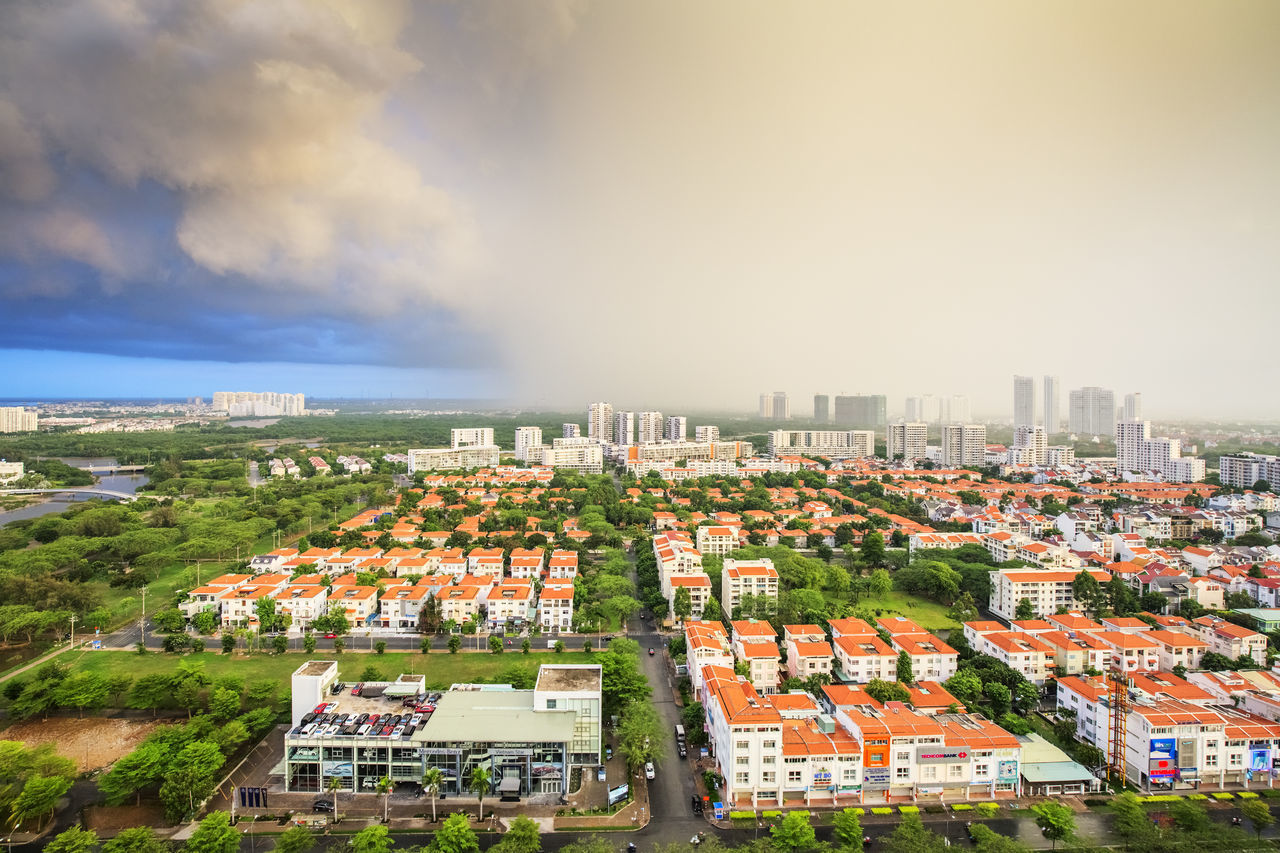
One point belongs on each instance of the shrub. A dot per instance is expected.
(965, 807)
(1247, 795)
(770, 815)
(1161, 798)
(742, 815)
(1269, 793)
(1221, 795)
(859, 812)
(935, 809)
(1093, 803)
(800, 812)
(1197, 796)
(988, 809)
(909, 809)
(881, 810)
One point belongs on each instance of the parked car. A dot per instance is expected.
(355, 691)
(337, 687)
(322, 806)
(648, 770)
(651, 651)
(600, 775)
(608, 753)
(697, 804)
(331, 636)
(684, 753)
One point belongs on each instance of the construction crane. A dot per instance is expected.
(1118, 682)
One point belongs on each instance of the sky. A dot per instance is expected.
(660, 204)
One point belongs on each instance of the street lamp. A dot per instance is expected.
(142, 623)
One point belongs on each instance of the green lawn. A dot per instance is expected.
(927, 614)
(440, 667)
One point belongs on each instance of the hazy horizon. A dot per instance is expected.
(553, 202)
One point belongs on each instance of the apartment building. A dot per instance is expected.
(1137, 451)
(451, 459)
(868, 411)
(624, 428)
(600, 422)
(582, 455)
(471, 437)
(1242, 470)
(963, 444)
(861, 658)
(1046, 589)
(746, 577)
(1091, 411)
(1052, 397)
(1231, 640)
(831, 444)
(1020, 651)
(1178, 649)
(527, 437)
(1072, 653)
(908, 441)
(1030, 446)
(706, 433)
(651, 426)
(706, 645)
(1024, 401)
(570, 431)
(717, 539)
(18, 419)
(677, 428)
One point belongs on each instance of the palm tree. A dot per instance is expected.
(384, 788)
(433, 781)
(480, 777)
(334, 786)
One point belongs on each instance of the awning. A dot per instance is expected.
(401, 690)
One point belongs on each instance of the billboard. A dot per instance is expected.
(941, 755)
(1260, 760)
(1007, 771)
(1163, 748)
(335, 768)
(1163, 755)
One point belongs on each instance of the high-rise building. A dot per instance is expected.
(1243, 470)
(706, 433)
(821, 408)
(624, 428)
(1136, 450)
(1030, 446)
(259, 403)
(908, 440)
(781, 406)
(766, 406)
(964, 444)
(650, 427)
(526, 438)
(1024, 401)
(677, 428)
(1133, 406)
(958, 409)
(600, 422)
(862, 410)
(914, 410)
(570, 431)
(471, 437)
(18, 419)
(832, 444)
(1092, 411)
(1052, 399)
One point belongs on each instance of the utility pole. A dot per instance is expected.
(73, 630)
(142, 623)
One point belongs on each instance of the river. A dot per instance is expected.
(128, 483)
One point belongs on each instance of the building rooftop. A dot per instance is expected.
(494, 715)
(569, 678)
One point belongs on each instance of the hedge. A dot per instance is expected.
(771, 814)
(742, 815)
(1161, 798)
(1221, 795)
(909, 809)
(962, 807)
(881, 810)
(1247, 795)
(988, 809)
(1197, 796)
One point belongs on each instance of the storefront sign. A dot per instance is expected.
(934, 755)
(1007, 771)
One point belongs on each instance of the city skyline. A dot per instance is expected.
(362, 202)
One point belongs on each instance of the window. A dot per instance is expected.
(768, 759)
(551, 704)
(981, 769)
(903, 773)
(904, 756)
(1210, 760)
(770, 744)
(955, 771)
(742, 744)
(793, 775)
(743, 760)
(768, 778)
(851, 774)
(928, 773)
(1235, 759)
(742, 778)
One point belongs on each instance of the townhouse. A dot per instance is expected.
(1231, 640)
(358, 603)
(861, 658)
(555, 607)
(1132, 652)
(808, 652)
(459, 604)
(302, 603)
(510, 603)
(1073, 653)
(1178, 649)
(706, 645)
(1021, 652)
(400, 605)
(717, 539)
(755, 645)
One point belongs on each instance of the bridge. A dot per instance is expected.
(106, 493)
(115, 469)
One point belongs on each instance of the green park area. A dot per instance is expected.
(929, 615)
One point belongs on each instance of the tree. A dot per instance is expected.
(1086, 589)
(1000, 697)
(911, 836)
(682, 604)
(1257, 812)
(371, 839)
(333, 786)
(309, 644)
(82, 690)
(987, 840)
(1025, 610)
(872, 549)
(384, 788)
(880, 584)
(39, 795)
(215, 834)
(295, 839)
(481, 777)
(640, 735)
(905, 673)
(73, 840)
(793, 833)
(848, 828)
(1131, 821)
(224, 704)
(228, 642)
(190, 779)
(455, 644)
(521, 837)
(136, 772)
(559, 647)
(495, 644)
(1056, 821)
(433, 783)
(886, 691)
(455, 836)
(140, 839)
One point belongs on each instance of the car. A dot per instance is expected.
(697, 804)
(648, 770)
(398, 731)
(337, 687)
(651, 651)
(355, 691)
(607, 638)
(331, 636)
(322, 806)
(600, 775)
(416, 719)
(684, 753)
(608, 753)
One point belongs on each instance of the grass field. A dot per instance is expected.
(927, 614)
(440, 668)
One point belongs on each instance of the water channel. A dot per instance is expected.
(128, 483)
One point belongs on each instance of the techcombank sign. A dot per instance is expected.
(937, 755)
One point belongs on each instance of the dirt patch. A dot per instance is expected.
(92, 743)
(108, 820)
